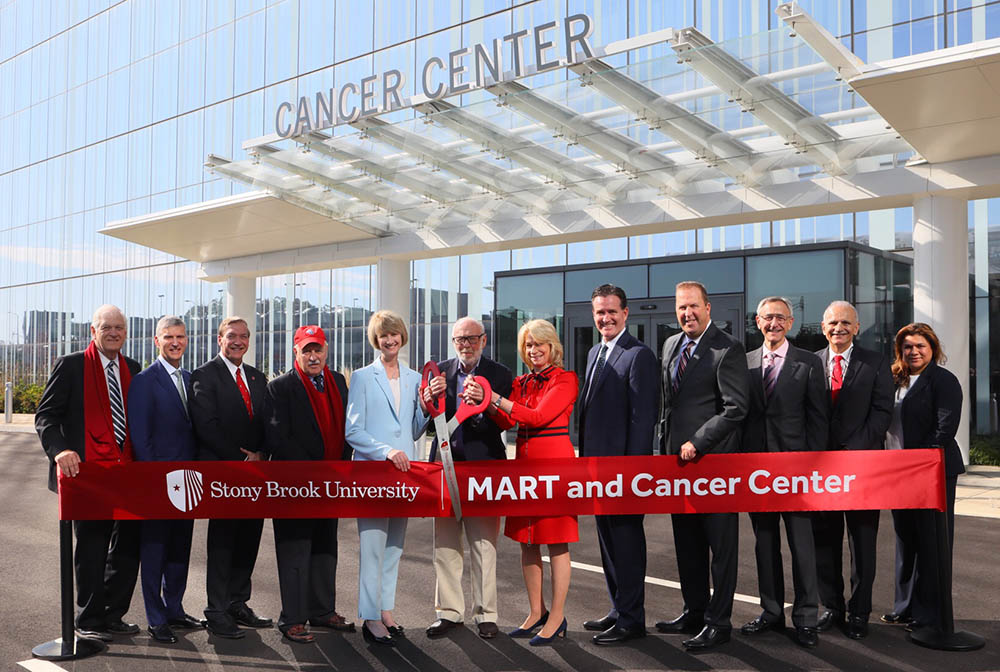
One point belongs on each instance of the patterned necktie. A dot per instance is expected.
(682, 365)
(179, 383)
(318, 382)
(598, 367)
(245, 393)
(837, 379)
(117, 407)
(770, 373)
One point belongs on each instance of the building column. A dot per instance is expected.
(941, 287)
(394, 293)
(241, 299)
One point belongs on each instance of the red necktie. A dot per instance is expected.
(837, 379)
(244, 392)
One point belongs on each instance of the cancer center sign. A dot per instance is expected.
(552, 44)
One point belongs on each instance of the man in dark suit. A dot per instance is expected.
(789, 411)
(230, 411)
(308, 406)
(620, 398)
(705, 399)
(478, 438)
(161, 431)
(81, 417)
(861, 399)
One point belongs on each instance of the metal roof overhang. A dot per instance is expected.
(770, 126)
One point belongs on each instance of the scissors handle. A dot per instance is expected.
(429, 371)
(468, 410)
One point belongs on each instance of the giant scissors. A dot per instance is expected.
(445, 428)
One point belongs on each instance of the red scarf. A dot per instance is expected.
(99, 432)
(329, 412)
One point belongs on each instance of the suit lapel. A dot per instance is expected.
(787, 371)
(383, 382)
(699, 350)
(754, 359)
(824, 356)
(852, 369)
(169, 387)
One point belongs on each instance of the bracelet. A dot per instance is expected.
(497, 403)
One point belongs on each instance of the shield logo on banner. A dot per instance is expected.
(184, 489)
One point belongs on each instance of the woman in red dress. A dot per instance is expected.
(540, 404)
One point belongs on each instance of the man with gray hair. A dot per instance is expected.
(861, 395)
(788, 413)
(162, 432)
(478, 438)
(82, 418)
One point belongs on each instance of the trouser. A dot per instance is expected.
(306, 551)
(165, 549)
(862, 535)
(695, 534)
(232, 553)
(381, 541)
(106, 563)
(449, 556)
(770, 575)
(623, 555)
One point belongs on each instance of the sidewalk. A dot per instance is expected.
(978, 492)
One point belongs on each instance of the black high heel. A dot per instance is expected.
(373, 639)
(538, 640)
(395, 630)
(526, 632)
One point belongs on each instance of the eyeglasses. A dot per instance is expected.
(775, 317)
(467, 340)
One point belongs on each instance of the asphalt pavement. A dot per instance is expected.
(29, 593)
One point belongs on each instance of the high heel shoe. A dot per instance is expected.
(372, 638)
(526, 632)
(538, 640)
(395, 630)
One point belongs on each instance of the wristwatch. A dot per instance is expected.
(496, 404)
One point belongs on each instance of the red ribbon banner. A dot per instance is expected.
(817, 481)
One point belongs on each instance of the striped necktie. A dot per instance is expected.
(318, 382)
(770, 373)
(117, 407)
(682, 365)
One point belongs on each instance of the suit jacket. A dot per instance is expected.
(861, 416)
(220, 419)
(930, 414)
(59, 418)
(625, 401)
(713, 396)
(374, 426)
(293, 433)
(796, 417)
(478, 438)
(158, 421)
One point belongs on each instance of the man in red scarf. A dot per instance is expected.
(82, 417)
(308, 407)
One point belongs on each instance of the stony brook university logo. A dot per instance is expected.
(184, 489)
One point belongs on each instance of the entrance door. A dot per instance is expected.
(652, 321)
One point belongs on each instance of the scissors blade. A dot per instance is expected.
(448, 463)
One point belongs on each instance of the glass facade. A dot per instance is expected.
(110, 108)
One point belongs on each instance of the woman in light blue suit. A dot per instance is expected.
(384, 418)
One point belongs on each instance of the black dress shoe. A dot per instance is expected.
(225, 630)
(807, 637)
(857, 627)
(395, 630)
(762, 624)
(187, 622)
(102, 635)
(244, 615)
(372, 638)
(708, 637)
(828, 619)
(299, 634)
(617, 635)
(896, 619)
(914, 624)
(488, 630)
(162, 633)
(687, 623)
(440, 626)
(122, 628)
(600, 624)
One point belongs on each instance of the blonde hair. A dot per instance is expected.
(542, 332)
(231, 320)
(386, 322)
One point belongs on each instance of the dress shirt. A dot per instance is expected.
(232, 372)
(104, 363)
(610, 345)
(779, 361)
(462, 375)
(831, 356)
(172, 372)
(396, 394)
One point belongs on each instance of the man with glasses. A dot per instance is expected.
(788, 413)
(478, 438)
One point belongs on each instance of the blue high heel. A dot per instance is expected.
(526, 632)
(538, 640)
